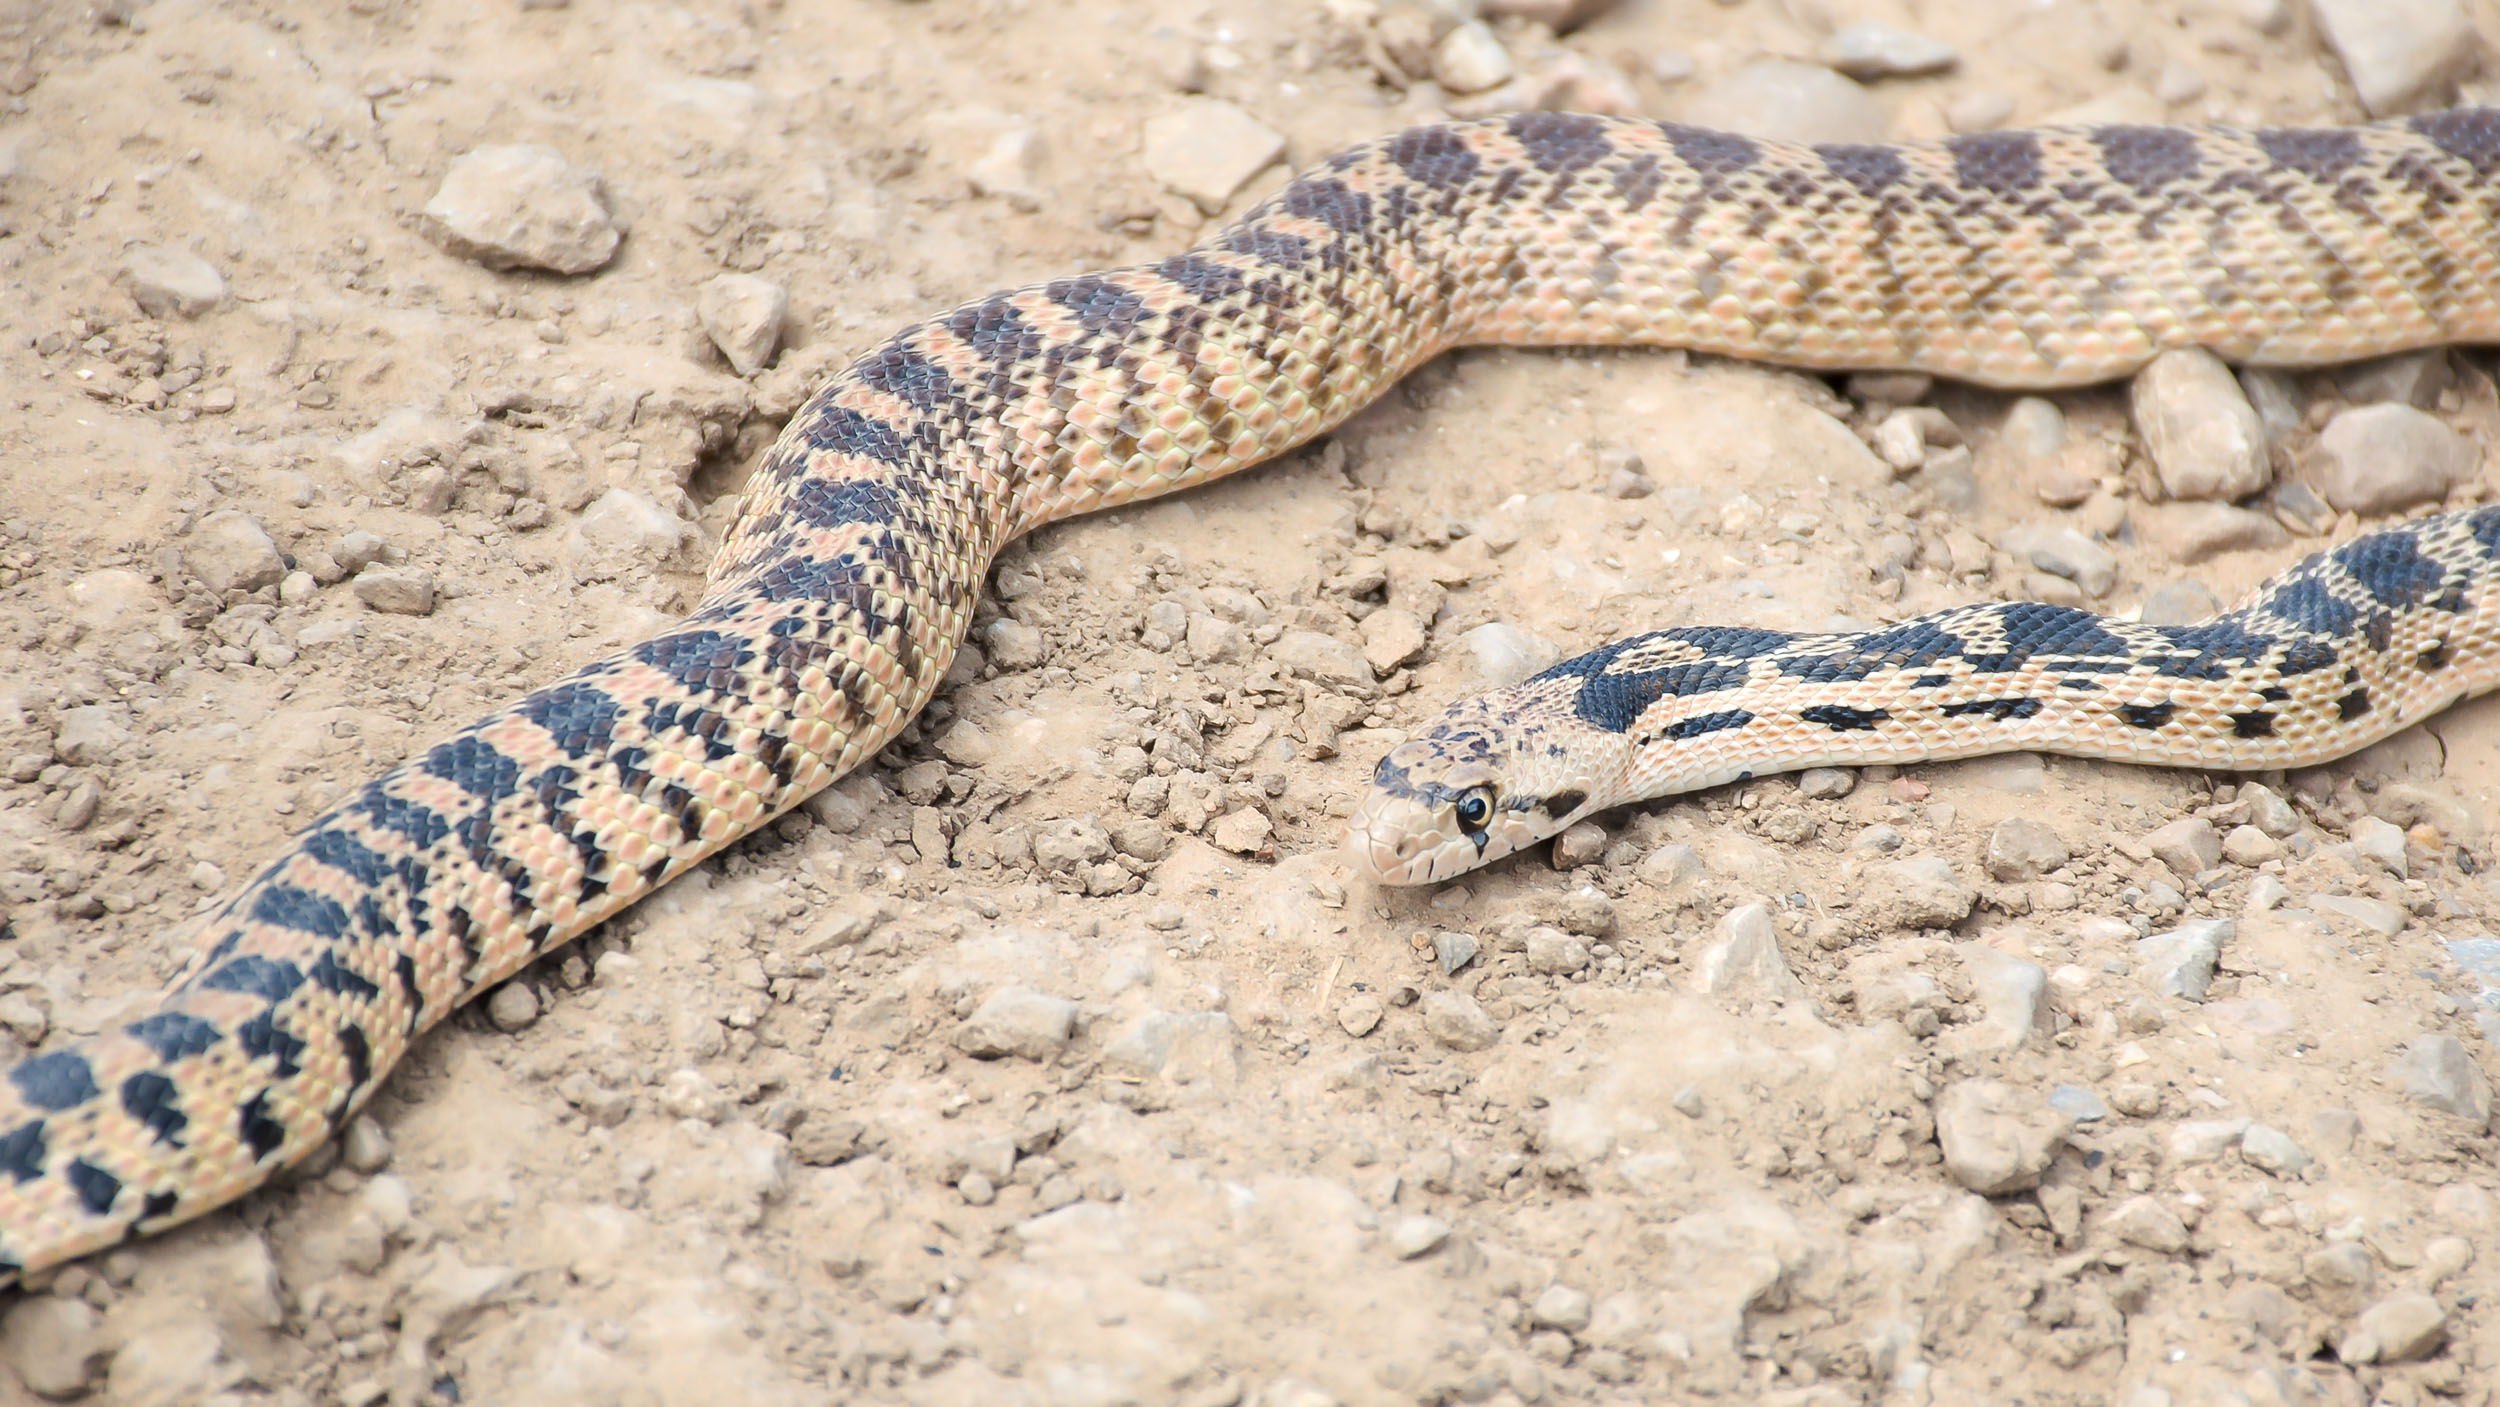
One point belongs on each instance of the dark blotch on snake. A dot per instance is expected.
(2256, 723)
(900, 370)
(61, 1080)
(2391, 567)
(96, 1188)
(263, 1038)
(1563, 803)
(1099, 304)
(173, 1035)
(1201, 278)
(843, 431)
(1713, 155)
(348, 855)
(2147, 716)
(1841, 718)
(2470, 134)
(260, 1133)
(153, 1100)
(2000, 163)
(333, 977)
(301, 910)
(2320, 153)
(1686, 728)
(2002, 710)
(2353, 705)
(2146, 158)
(1560, 143)
(1435, 158)
(1871, 169)
(2307, 603)
(22, 1151)
(270, 979)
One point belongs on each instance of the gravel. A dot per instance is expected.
(522, 207)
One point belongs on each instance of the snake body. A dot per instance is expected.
(838, 598)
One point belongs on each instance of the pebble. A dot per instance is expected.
(2398, 53)
(230, 551)
(1182, 1046)
(1243, 832)
(743, 315)
(2034, 428)
(2381, 458)
(1980, 110)
(91, 735)
(1470, 59)
(1359, 1015)
(522, 207)
(2249, 847)
(2269, 1148)
(2437, 1073)
(1413, 1237)
(2204, 1140)
(2407, 378)
(79, 806)
(2135, 1099)
(2397, 1329)
(2147, 1222)
(1554, 953)
(2009, 989)
(52, 1343)
(1916, 893)
(397, 591)
(1206, 149)
(1020, 1022)
(1996, 1138)
(1826, 783)
(1455, 1020)
(1560, 1307)
(1869, 51)
(2079, 1104)
(1504, 654)
(2020, 848)
(2064, 552)
(1747, 959)
(1391, 637)
(2189, 846)
(2382, 843)
(1583, 843)
(2179, 83)
(366, 1147)
(2377, 915)
(2267, 810)
(1782, 100)
(2180, 603)
(1452, 951)
(2193, 532)
(2180, 962)
(2267, 17)
(357, 548)
(1015, 646)
(623, 524)
(172, 282)
(2202, 434)
(1308, 654)
(513, 1007)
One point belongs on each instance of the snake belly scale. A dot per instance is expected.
(839, 596)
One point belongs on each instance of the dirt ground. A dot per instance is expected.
(735, 1147)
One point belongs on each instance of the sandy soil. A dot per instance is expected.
(732, 1148)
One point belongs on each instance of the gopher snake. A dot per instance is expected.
(839, 597)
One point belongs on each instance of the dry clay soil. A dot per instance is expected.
(731, 1147)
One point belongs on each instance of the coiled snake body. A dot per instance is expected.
(839, 597)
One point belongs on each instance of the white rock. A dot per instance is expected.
(1867, 51)
(2204, 1140)
(2180, 963)
(2398, 1329)
(1746, 961)
(2437, 1073)
(1553, 952)
(2380, 458)
(229, 550)
(1917, 893)
(1411, 1237)
(1455, 1020)
(1011, 169)
(1185, 1047)
(1470, 59)
(2020, 848)
(513, 207)
(2009, 990)
(2264, 1146)
(2147, 1222)
(172, 282)
(53, 1344)
(2382, 843)
(1308, 654)
(629, 526)
(2204, 437)
(1996, 1138)
(1207, 148)
(1560, 1307)
(1015, 1021)
(91, 735)
(2400, 54)
(1788, 101)
(2188, 846)
(743, 316)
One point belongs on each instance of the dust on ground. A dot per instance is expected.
(735, 1147)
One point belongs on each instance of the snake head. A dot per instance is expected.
(1476, 786)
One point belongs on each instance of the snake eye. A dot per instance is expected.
(1475, 807)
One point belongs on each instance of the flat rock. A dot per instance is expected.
(2204, 437)
(1308, 654)
(2397, 1329)
(172, 282)
(1555, 953)
(2193, 532)
(1015, 1021)
(1996, 1138)
(522, 207)
(1503, 654)
(2381, 458)
(1782, 100)
(2064, 552)
(2180, 963)
(2399, 54)
(91, 735)
(398, 591)
(1869, 51)
(2269, 1148)
(2437, 1073)
(742, 314)
(1206, 149)
(1182, 1046)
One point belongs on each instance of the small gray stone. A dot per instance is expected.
(1470, 59)
(2064, 552)
(743, 315)
(2399, 54)
(2034, 428)
(1782, 100)
(1455, 1020)
(1413, 1237)
(2147, 1222)
(1307, 654)
(2437, 1073)
(2275, 396)
(2020, 849)
(2009, 989)
(1747, 960)
(2180, 963)
(1560, 1307)
(1869, 51)
(53, 1344)
(1504, 654)
(2194, 532)
(2204, 1140)
(2135, 1099)
(2381, 458)
(1206, 149)
(2264, 1146)
(2397, 1329)
(1826, 783)
(2078, 1104)
(398, 591)
(2189, 846)
(2377, 915)
(1996, 1138)
(172, 282)
(2407, 378)
(513, 1007)
(2180, 603)
(1554, 953)
(91, 735)
(366, 1147)
(1392, 637)
(513, 207)
(2268, 811)
(2249, 847)
(1359, 1015)
(1015, 646)
(230, 551)
(2204, 437)
(2382, 843)
(1916, 893)
(1015, 1021)
(1453, 951)
(1669, 866)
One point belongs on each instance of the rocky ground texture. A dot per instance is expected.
(368, 364)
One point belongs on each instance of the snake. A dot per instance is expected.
(838, 597)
